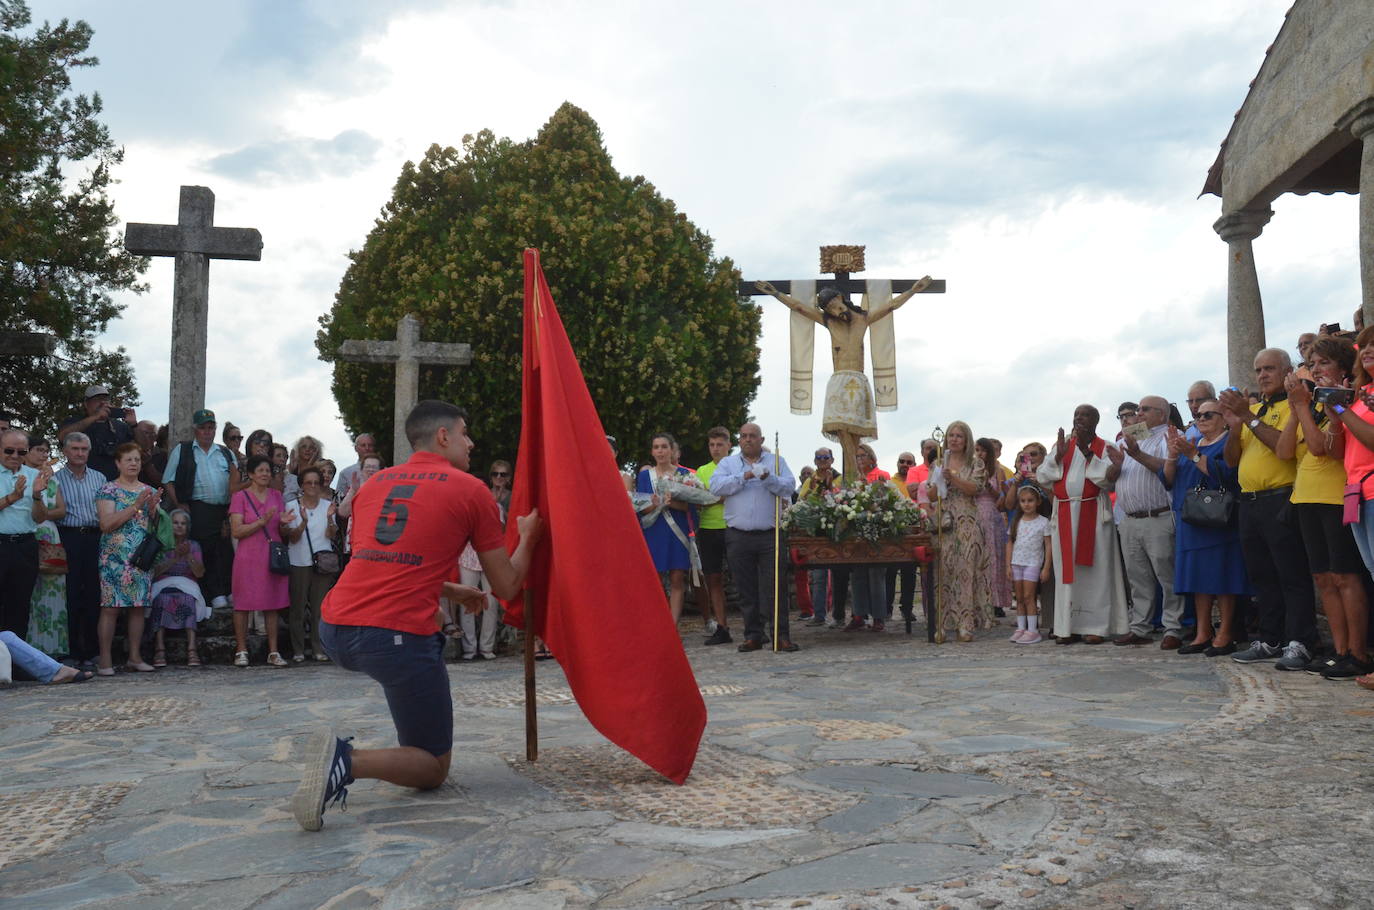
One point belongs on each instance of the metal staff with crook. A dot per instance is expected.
(777, 552)
(938, 434)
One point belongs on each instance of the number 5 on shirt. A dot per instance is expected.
(391, 521)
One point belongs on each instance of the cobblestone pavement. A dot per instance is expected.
(870, 770)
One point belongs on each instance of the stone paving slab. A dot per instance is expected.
(868, 770)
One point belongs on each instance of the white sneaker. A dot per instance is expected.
(220, 602)
(711, 626)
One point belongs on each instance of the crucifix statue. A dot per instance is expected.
(849, 417)
(407, 352)
(194, 241)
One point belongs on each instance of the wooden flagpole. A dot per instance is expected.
(531, 721)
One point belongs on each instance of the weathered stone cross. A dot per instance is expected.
(407, 352)
(194, 241)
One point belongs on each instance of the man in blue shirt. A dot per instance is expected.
(21, 511)
(202, 488)
(756, 486)
(80, 533)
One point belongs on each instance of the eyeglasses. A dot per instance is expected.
(825, 458)
(1150, 407)
(20, 452)
(1126, 414)
(1208, 415)
(500, 473)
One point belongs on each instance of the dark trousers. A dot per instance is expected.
(1277, 565)
(908, 573)
(207, 529)
(18, 575)
(754, 563)
(839, 592)
(83, 591)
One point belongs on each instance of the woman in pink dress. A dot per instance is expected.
(994, 525)
(258, 515)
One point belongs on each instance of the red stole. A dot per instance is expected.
(1081, 553)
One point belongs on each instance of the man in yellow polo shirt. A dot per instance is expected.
(1274, 556)
(711, 541)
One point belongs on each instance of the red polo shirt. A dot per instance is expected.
(409, 525)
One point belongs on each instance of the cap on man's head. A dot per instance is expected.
(203, 416)
(93, 391)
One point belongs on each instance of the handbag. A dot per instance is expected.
(1352, 498)
(1208, 508)
(325, 562)
(278, 557)
(149, 548)
(52, 558)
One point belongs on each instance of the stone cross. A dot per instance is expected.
(407, 352)
(193, 241)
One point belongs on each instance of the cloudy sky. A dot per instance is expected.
(1043, 158)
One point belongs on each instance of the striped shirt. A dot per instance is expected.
(79, 494)
(1139, 489)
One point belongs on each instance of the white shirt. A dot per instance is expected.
(1029, 547)
(301, 553)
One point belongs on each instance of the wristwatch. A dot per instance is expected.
(1197, 458)
(1254, 422)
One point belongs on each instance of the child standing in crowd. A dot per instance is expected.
(1028, 560)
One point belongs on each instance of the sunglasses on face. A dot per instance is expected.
(20, 452)
(825, 458)
(1208, 415)
(500, 473)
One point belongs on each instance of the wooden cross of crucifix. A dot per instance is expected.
(193, 241)
(850, 402)
(407, 352)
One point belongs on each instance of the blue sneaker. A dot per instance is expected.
(328, 772)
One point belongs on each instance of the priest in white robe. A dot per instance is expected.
(1090, 585)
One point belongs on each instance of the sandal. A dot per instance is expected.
(193, 659)
(240, 658)
(276, 660)
(1366, 681)
(543, 653)
(140, 667)
(159, 658)
(78, 676)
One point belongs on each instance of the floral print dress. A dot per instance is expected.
(963, 557)
(121, 585)
(48, 608)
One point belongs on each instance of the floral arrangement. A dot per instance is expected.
(858, 509)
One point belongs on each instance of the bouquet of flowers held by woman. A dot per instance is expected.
(858, 509)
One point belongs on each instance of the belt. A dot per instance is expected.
(759, 531)
(80, 529)
(1150, 514)
(1277, 491)
(15, 538)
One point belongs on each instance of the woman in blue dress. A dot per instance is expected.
(669, 525)
(1208, 562)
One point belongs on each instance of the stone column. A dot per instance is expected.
(1359, 120)
(1244, 309)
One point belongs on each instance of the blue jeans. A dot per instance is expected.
(820, 592)
(870, 593)
(412, 674)
(1364, 535)
(29, 659)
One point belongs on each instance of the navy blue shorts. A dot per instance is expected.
(411, 671)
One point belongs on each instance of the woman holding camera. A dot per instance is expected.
(1318, 498)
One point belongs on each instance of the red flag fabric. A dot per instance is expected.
(598, 602)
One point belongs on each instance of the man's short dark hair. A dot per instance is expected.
(1126, 406)
(427, 417)
(718, 433)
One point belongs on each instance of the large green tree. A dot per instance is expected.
(59, 257)
(653, 316)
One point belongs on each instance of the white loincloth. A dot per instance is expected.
(849, 407)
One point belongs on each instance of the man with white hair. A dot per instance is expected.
(79, 529)
(1198, 392)
(1275, 558)
(364, 444)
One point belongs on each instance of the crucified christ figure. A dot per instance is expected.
(849, 417)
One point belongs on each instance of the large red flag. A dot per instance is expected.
(599, 604)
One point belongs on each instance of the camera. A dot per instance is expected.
(1333, 395)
